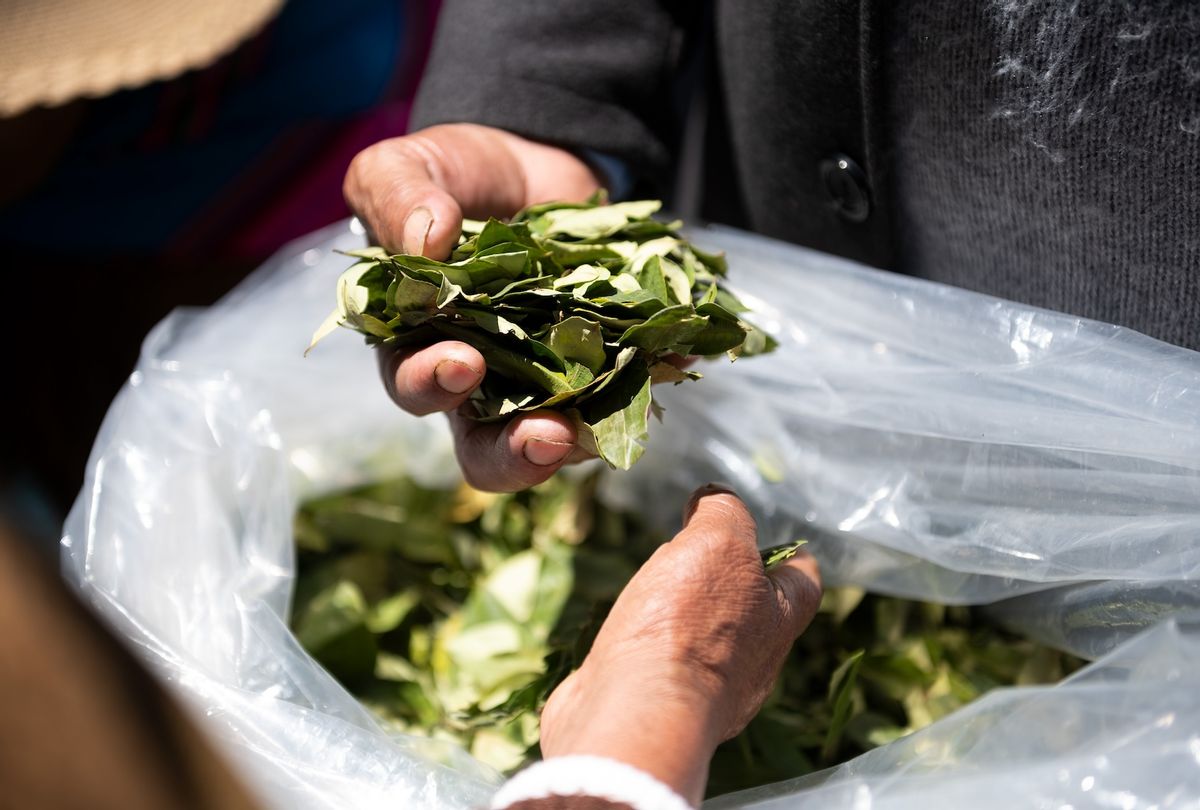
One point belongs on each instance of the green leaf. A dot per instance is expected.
(579, 376)
(580, 340)
(584, 274)
(554, 299)
(592, 223)
(333, 627)
(372, 252)
(406, 294)
(775, 555)
(369, 324)
(624, 358)
(499, 291)
(332, 613)
(714, 261)
(329, 325)
(841, 602)
(387, 615)
(472, 227)
(841, 688)
(505, 262)
(351, 299)
(729, 301)
(506, 361)
(723, 333)
(678, 285)
(493, 322)
(756, 342)
(673, 329)
(658, 248)
(651, 279)
(495, 232)
(650, 228)
(536, 210)
(639, 304)
(637, 209)
(618, 417)
(717, 312)
(423, 269)
(514, 583)
(555, 582)
(580, 223)
(511, 590)
(448, 292)
(573, 254)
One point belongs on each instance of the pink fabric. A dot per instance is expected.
(314, 199)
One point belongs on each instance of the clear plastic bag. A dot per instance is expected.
(930, 442)
(938, 444)
(1122, 733)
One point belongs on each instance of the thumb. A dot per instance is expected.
(394, 194)
(411, 192)
(716, 512)
(797, 584)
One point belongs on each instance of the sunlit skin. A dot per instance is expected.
(696, 640)
(411, 193)
(689, 652)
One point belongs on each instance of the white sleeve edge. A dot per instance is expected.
(585, 775)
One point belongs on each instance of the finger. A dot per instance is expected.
(412, 192)
(508, 457)
(714, 511)
(436, 378)
(798, 585)
(393, 192)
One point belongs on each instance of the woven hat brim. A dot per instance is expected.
(53, 51)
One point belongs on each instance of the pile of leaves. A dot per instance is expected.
(454, 613)
(577, 307)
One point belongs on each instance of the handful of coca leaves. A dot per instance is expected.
(577, 307)
(453, 614)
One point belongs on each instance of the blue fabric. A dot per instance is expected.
(317, 64)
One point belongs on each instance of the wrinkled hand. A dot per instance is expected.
(689, 652)
(411, 193)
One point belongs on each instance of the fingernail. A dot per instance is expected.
(711, 488)
(456, 376)
(416, 230)
(544, 453)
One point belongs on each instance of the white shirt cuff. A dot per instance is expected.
(589, 776)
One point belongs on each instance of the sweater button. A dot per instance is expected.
(847, 188)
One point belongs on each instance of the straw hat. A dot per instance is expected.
(52, 51)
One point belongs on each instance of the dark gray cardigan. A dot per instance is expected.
(1046, 151)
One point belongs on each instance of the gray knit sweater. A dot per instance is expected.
(1045, 151)
(1050, 152)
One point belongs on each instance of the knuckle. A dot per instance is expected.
(409, 392)
(364, 164)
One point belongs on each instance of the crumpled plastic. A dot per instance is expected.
(929, 442)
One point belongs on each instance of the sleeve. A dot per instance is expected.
(585, 783)
(599, 75)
